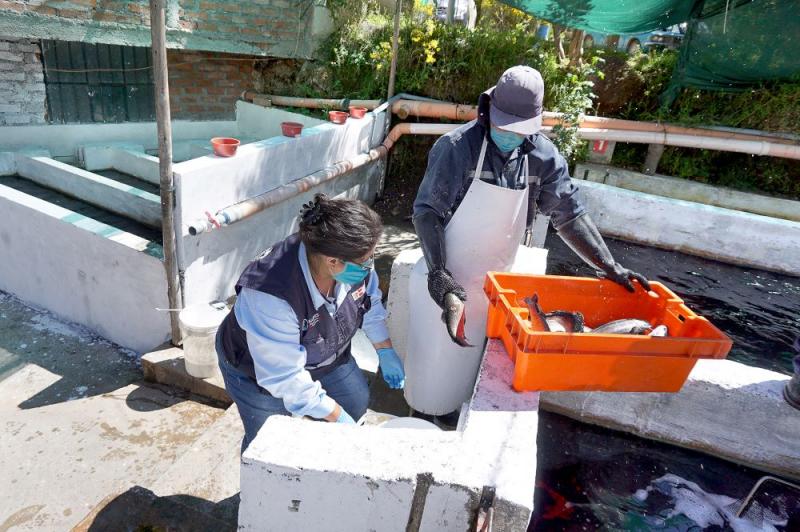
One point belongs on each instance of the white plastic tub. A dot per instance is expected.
(199, 324)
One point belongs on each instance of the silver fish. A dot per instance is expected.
(556, 321)
(624, 326)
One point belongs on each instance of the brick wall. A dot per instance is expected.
(277, 28)
(205, 86)
(22, 93)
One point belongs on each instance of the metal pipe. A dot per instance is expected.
(244, 209)
(395, 41)
(452, 111)
(158, 34)
(249, 207)
(268, 100)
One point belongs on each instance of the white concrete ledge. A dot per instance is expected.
(90, 273)
(687, 190)
(726, 235)
(369, 478)
(92, 188)
(725, 409)
(127, 158)
(64, 140)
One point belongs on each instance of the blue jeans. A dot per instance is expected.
(346, 385)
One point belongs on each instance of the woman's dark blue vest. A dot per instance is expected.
(326, 338)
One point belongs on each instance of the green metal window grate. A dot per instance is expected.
(97, 83)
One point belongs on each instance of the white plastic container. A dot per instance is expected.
(199, 324)
(408, 423)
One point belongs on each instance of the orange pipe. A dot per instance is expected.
(268, 100)
(452, 111)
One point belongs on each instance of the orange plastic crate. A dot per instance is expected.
(557, 361)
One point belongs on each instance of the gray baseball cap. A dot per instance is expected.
(516, 100)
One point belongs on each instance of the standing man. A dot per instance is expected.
(483, 186)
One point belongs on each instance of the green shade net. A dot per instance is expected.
(609, 16)
(737, 44)
(730, 44)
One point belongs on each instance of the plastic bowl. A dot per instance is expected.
(224, 146)
(358, 112)
(337, 117)
(291, 129)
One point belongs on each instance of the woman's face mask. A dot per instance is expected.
(506, 141)
(354, 273)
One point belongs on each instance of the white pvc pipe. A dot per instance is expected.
(246, 208)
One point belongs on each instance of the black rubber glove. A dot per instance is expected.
(443, 289)
(582, 236)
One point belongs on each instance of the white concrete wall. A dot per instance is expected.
(726, 409)
(255, 121)
(213, 261)
(82, 270)
(684, 189)
(722, 234)
(365, 478)
(64, 140)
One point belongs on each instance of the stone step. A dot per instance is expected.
(165, 365)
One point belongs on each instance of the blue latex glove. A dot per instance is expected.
(392, 368)
(344, 417)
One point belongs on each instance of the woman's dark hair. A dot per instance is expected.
(341, 228)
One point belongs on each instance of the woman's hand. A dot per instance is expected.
(392, 368)
(339, 415)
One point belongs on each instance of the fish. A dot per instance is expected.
(624, 326)
(573, 322)
(556, 321)
(457, 321)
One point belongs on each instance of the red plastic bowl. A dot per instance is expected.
(224, 146)
(291, 129)
(358, 112)
(337, 117)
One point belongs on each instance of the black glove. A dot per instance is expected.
(443, 289)
(582, 236)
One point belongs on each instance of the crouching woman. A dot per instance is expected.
(285, 346)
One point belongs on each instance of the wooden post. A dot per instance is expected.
(654, 153)
(395, 40)
(158, 32)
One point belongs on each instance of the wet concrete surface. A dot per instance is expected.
(78, 421)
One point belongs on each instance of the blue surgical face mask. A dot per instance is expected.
(353, 273)
(506, 141)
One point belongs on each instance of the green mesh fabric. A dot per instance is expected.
(609, 16)
(729, 45)
(736, 44)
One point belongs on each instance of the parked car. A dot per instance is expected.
(670, 37)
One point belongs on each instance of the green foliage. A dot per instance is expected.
(454, 64)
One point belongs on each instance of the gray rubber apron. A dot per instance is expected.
(483, 235)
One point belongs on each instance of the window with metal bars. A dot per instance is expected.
(97, 82)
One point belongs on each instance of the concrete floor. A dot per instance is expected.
(79, 425)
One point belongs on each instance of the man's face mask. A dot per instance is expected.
(506, 141)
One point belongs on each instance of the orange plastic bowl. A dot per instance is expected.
(291, 129)
(358, 112)
(224, 146)
(337, 117)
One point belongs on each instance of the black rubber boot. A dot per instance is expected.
(791, 392)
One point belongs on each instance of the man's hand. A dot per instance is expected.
(625, 277)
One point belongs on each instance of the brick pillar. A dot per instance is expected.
(22, 91)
